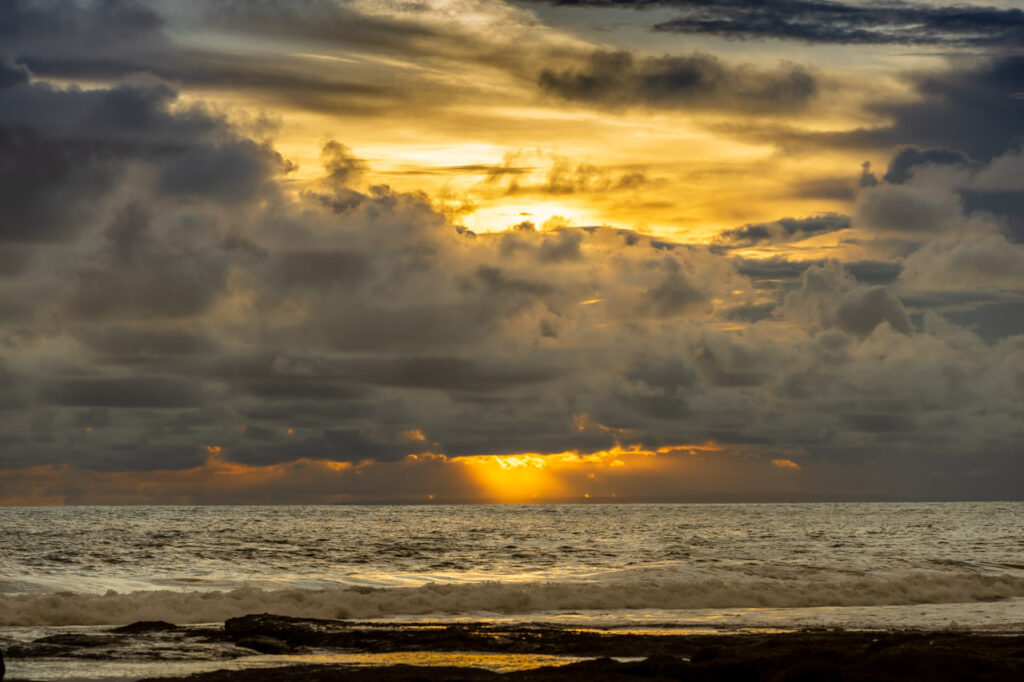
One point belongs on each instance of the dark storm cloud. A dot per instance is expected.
(725, 363)
(1007, 205)
(879, 423)
(779, 272)
(909, 158)
(12, 74)
(454, 374)
(768, 270)
(61, 149)
(814, 21)
(302, 388)
(860, 311)
(239, 171)
(317, 269)
(141, 277)
(618, 80)
(67, 24)
(829, 296)
(975, 109)
(135, 392)
(125, 344)
(675, 295)
(783, 230)
(991, 322)
(369, 328)
(874, 271)
(667, 373)
(167, 293)
(326, 20)
(107, 40)
(980, 190)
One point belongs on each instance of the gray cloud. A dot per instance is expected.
(906, 160)
(783, 230)
(134, 392)
(60, 149)
(108, 40)
(166, 293)
(821, 21)
(618, 80)
(137, 276)
(860, 311)
(982, 92)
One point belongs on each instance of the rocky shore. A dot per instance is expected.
(609, 655)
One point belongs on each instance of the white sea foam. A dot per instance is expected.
(520, 599)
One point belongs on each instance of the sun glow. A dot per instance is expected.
(498, 216)
(525, 477)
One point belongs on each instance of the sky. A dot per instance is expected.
(346, 251)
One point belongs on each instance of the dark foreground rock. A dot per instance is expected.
(146, 626)
(791, 657)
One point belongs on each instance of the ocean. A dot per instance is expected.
(637, 567)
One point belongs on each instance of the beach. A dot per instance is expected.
(260, 648)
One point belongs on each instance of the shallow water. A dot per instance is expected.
(77, 670)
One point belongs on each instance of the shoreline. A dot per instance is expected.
(463, 651)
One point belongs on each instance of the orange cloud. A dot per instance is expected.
(216, 480)
(414, 435)
(632, 471)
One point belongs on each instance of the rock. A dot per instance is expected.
(264, 644)
(146, 626)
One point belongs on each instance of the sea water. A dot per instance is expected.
(664, 567)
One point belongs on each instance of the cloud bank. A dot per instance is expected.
(183, 320)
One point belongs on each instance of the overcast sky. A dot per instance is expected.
(324, 251)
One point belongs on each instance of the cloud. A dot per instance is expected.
(821, 21)
(627, 472)
(973, 108)
(830, 297)
(901, 209)
(171, 288)
(932, 203)
(306, 54)
(783, 230)
(910, 158)
(860, 311)
(67, 26)
(619, 80)
(133, 392)
(972, 259)
(61, 149)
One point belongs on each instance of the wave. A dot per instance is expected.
(517, 599)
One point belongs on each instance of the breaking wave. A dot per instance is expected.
(507, 598)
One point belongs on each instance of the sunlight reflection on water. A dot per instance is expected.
(79, 670)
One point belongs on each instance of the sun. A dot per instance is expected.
(497, 217)
(514, 478)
